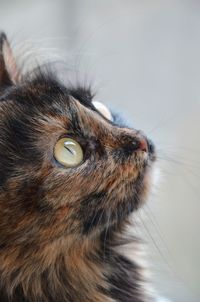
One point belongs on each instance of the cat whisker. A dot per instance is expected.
(155, 244)
(106, 233)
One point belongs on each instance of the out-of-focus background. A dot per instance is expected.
(143, 58)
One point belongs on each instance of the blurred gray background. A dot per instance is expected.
(143, 58)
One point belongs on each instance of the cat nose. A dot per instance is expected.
(140, 143)
(137, 142)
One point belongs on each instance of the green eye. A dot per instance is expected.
(68, 152)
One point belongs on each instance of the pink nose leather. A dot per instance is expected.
(143, 145)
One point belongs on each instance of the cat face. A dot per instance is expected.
(41, 198)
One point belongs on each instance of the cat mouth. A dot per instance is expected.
(144, 158)
(145, 147)
(148, 156)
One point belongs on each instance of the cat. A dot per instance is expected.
(70, 178)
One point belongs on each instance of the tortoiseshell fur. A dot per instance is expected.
(61, 228)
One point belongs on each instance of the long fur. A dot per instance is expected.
(61, 229)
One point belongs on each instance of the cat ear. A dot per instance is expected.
(103, 110)
(9, 73)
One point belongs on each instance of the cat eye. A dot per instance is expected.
(68, 152)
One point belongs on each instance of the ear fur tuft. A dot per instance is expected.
(9, 72)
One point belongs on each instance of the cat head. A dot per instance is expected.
(68, 170)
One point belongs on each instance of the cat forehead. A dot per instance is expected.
(49, 92)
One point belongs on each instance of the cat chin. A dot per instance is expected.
(156, 177)
(150, 177)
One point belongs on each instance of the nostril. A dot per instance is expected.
(143, 144)
(135, 145)
(139, 143)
